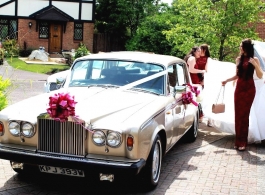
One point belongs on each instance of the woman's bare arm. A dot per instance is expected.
(191, 62)
(256, 64)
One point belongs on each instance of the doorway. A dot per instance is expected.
(55, 39)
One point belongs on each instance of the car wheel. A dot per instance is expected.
(153, 164)
(192, 133)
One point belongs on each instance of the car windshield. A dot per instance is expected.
(109, 73)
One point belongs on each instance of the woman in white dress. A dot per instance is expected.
(224, 122)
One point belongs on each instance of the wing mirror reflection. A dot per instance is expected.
(57, 85)
(180, 89)
(60, 80)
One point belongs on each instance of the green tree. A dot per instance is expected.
(107, 18)
(149, 36)
(220, 23)
(122, 17)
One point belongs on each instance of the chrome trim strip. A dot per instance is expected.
(18, 147)
(89, 158)
(151, 118)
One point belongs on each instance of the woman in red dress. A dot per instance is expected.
(191, 58)
(202, 60)
(245, 91)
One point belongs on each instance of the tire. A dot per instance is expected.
(151, 172)
(192, 133)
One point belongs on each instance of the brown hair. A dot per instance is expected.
(248, 49)
(205, 48)
(191, 53)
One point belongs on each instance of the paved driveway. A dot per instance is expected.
(210, 165)
(24, 84)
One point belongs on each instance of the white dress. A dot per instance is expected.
(224, 122)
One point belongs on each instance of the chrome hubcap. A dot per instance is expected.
(196, 126)
(156, 161)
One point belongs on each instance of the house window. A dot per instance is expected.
(43, 30)
(8, 29)
(78, 31)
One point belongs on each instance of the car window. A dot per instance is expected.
(172, 74)
(79, 70)
(181, 79)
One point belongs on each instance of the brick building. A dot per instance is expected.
(261, 29)
(53, 24)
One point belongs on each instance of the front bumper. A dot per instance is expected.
(92, 163)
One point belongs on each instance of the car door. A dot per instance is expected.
(176, 81)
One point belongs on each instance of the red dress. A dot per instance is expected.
(244, 95)
(194, 76)
(202, 62)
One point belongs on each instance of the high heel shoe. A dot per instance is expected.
(209, 123)
(243, 148)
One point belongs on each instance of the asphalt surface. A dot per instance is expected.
(208, 166)
(24, 84)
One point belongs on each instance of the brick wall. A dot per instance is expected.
(261, 28)
(31, 37)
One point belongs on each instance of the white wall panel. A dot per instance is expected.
(28, 7)
(70, 8)
(87, 11)
(8, 10)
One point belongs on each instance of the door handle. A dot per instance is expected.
(178, 110)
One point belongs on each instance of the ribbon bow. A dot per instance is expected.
(187, 98)
(61, 106)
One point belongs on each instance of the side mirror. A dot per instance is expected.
(54, 86)
(180, 89)
(60, 80)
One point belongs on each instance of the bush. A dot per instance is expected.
(11, 47)
(81, 51)
(25, 52)
(4, 84)
(2, 55)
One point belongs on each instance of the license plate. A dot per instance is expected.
(61, 171)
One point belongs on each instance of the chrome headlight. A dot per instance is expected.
(114, 139)
(28, 130)
(99, 138)
(14, 128)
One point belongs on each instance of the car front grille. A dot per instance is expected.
(61, 137)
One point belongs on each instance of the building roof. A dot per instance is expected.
(51, 13)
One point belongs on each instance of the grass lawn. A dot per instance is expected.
(37, 68)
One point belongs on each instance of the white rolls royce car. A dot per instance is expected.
(115, 113)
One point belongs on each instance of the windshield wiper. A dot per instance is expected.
(144, 91)
(103, 85)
